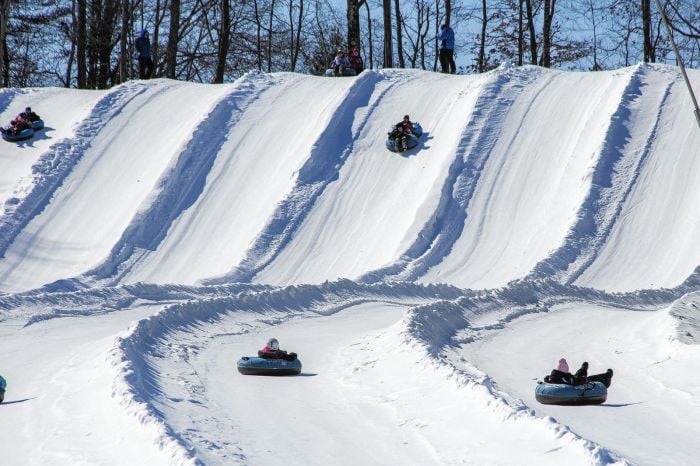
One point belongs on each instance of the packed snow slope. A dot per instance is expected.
(155, 232)
(589, 178)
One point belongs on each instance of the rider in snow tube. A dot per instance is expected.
(403, 135)
(271, 360)
(561, 387)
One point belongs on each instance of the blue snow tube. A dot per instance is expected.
(411, 140)
(21, 136)
(3, 386)
(346, 72)
(590, 393)
(251, 365)
(38, 124)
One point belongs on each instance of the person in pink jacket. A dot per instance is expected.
(272, 350)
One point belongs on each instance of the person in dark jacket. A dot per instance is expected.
(143, 47)
(581, 375)
(272, 351)
(561, 374)
(17, 125)
(28, 114)
(447, 49)
(356, 60)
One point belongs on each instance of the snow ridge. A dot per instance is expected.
(615, 174)
(325, 161)
(439, 234)
(53, 167)
(180, 188)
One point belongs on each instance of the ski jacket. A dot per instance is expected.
(447, 38)
(340, 61)
(143, 45)
(356, 62)
(279, 354)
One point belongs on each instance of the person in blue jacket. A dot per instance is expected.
(340, 63)
(447, 49)
(143, 47)
(3, 386)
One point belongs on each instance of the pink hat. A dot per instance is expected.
(563, 365)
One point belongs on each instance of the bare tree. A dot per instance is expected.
(649, 52)
(353, 17)
(295, 39)
(369, 32)
(482, 42)
(399, 38)
(224, 41)
(546, 59)
(388, 48)
(173, 40)
(4, 59)
(531, 29)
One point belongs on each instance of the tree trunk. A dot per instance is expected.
(546, 59)
(258, 35)
(521, 35)
(295, 39)
(4, 59)
(399, 36)
(353, 17)
(123, 41)
(531, 28)
(649, 53)
(369, 31)
(81, 44)
(173, 40)
(448, 12)
(388, 49)
(224, 41)
(269, 36)
(482, 42)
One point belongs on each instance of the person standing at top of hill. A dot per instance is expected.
(143, 47)
(447, 49)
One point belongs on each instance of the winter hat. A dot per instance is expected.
(273, 344)
(563, 365)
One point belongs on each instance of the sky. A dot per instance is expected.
(154, 233)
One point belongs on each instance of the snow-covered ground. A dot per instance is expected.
(154, 233)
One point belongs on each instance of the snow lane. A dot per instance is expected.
(61, 112)
(659, 216)
(117, 171)
(350, 229)
(535, 179)
(59, 408)
(305, 420)
(254, 170)
(652, 386)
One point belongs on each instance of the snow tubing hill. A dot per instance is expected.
(260, 366)
(591, 393)
(411, 141)
(21, 136)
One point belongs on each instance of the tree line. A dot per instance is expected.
(89, 44)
